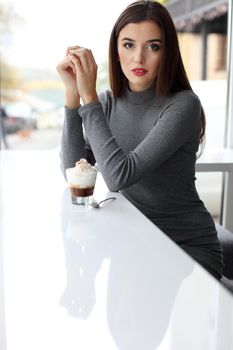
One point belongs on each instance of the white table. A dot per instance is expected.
(73, 278)
(221, 160)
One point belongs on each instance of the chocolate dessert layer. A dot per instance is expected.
(81, 192)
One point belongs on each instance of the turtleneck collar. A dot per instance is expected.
(140, 97)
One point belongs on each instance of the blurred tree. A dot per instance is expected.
(8, 18)
(163, 1)
(10, 76)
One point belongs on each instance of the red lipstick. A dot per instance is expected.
(139, 71)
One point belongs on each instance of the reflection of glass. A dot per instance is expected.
(136, 282)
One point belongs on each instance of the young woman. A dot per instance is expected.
(145, 132)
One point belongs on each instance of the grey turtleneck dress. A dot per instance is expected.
(146, 148)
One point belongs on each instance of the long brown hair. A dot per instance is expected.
(171, 75)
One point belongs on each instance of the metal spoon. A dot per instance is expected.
(98, 205)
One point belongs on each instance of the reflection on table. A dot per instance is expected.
(75, 278)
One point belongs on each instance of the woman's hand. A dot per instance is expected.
(86, 73)
(66, 70)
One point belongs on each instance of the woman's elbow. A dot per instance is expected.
(115, 186)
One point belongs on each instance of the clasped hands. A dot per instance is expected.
(78, 71)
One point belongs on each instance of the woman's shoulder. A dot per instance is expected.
(185, 97)
(105, 96)
(184, 104)
(106, 100)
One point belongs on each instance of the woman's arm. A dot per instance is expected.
(73, 145)
(67, 72)
(178, 124)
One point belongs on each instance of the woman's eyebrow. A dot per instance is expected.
(128, 39)
(147, 41)
(153, 40)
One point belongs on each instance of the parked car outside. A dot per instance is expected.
(19, 116)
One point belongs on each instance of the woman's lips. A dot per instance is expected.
(139, 71)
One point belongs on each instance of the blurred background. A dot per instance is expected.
(34, 37)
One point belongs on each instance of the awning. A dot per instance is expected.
(190, 13)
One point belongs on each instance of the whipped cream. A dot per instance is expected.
(82, 175)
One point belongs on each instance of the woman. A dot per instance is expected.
(144, 133)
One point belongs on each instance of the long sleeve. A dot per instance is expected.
(177, 125)
(73, 144)
(146, 148)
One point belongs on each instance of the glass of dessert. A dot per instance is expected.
(81, 179)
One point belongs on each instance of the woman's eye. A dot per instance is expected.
(153, 47)
(128, 45)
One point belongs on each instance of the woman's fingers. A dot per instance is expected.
(75, 61)
(83, 58)
(86, 72)
(92, 59)
(86, 58)
(65, 65)
(81, 55)
(72, 48)
(67, 71)
(68, 51)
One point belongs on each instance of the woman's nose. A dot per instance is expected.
(139, 56)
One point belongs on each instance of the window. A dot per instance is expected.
(202, 33)
(34, 39)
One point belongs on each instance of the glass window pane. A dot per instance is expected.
(202, 32)
(33, 41)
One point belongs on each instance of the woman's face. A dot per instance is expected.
(139, 49)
